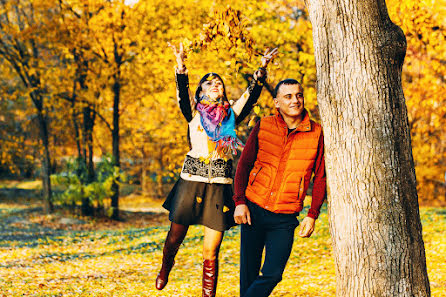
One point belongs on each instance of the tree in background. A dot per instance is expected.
(73, 37)
(216, 37)
(118, 28)
(24, 47)
(93, 54)
(17, 136)
(424, 88)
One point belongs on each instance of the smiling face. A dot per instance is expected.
(290, 100)
(212, 87)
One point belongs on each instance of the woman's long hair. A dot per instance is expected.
(197, 98)
(205, 78)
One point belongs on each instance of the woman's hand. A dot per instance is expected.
(179, 55)
(268, 56)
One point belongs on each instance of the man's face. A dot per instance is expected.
(290, 100)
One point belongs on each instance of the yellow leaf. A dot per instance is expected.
(257, 109)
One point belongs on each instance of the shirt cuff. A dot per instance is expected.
(238, 200)
(260, 75)
(314, 214)
(181, 71)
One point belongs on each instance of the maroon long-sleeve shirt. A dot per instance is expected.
(248, 158)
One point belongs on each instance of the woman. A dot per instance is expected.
(203, 194)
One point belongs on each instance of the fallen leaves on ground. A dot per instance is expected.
(123, 259)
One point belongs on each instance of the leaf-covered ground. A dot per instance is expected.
(42, 255)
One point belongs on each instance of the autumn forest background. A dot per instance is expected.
(90, 125)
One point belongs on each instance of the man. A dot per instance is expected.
(270, 185)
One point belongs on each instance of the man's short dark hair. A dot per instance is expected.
(288, 81)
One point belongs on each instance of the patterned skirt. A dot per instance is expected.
(192, 203)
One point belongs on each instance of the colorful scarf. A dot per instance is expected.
(218, 120)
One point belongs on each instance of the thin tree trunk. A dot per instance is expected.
(80, 78)
(373, 204)
(87, 130)
(145, 183)
(88, 117)
(86, 208)
(117, 86)
(76, 129)
(159, 175)
(90, 162)
(46, 161)
(115, 143)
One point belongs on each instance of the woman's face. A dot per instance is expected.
(212, 88)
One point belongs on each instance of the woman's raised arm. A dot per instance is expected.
(182, 82)
(245, 103)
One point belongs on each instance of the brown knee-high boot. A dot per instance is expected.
(210, 276)
(174, 239)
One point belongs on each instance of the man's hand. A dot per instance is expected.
(307, 227)
(242, 214)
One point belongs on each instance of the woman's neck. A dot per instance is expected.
(212, 100)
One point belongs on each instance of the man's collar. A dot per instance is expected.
(303, 126)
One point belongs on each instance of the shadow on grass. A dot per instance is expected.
(73, 237)
(8, 194)
(36, 236)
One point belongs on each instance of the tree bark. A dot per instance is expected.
(115, 144)
(87, 132)
(373, 204)
(22, 55)
(89, 118)
(117, 87)
(76, 128)
(145, 178)
(159, 175)
(46, 160)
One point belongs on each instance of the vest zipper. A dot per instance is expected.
(301, 187)
(284, 146)
(269, 198)
(255, 175)
(286, 136)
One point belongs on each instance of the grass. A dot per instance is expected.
(39, 256)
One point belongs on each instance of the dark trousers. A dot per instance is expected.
(275, 233)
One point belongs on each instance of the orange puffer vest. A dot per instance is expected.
(281, 174)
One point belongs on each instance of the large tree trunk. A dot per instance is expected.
(373, 204)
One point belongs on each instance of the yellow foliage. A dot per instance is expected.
(424, 88)
(91, 44)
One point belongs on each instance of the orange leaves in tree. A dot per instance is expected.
(228, 31)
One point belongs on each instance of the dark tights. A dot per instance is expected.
(176, 235)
